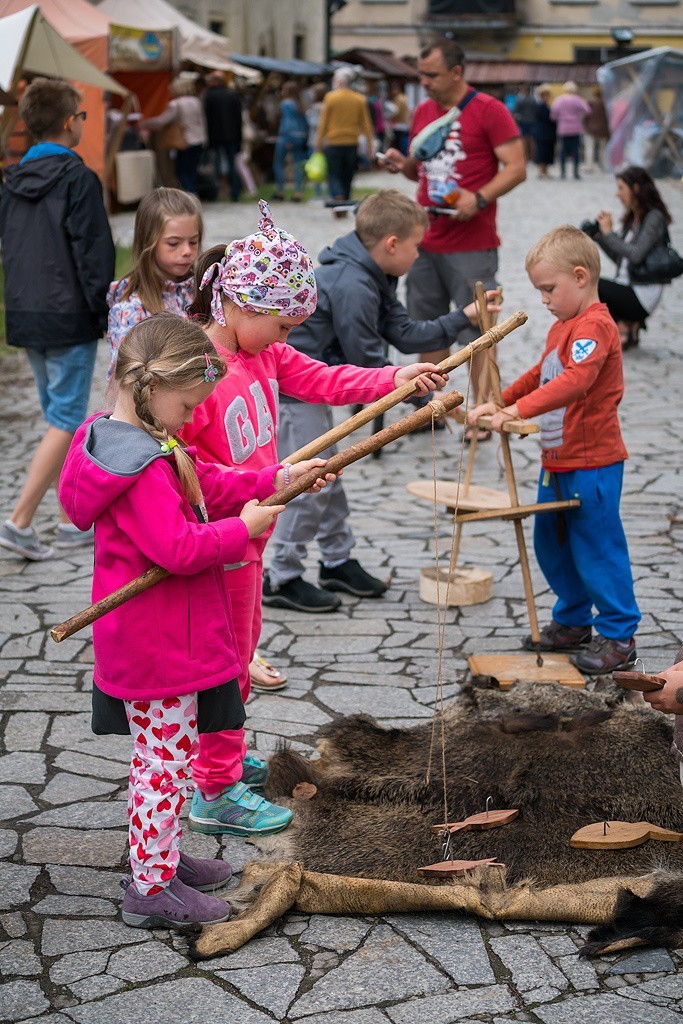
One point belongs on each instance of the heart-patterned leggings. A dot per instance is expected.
(165, 743)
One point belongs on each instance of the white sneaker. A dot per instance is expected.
(68, 536)
(25, 544)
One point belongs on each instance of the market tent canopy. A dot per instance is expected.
(384, 62)
(77, 21)
(294, 66)
(510, 72)
(28, 42)
(197, 44)
(87, 30)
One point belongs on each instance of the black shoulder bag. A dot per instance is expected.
(661, 265)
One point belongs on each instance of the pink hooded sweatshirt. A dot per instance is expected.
(237, 424)
(177, 637)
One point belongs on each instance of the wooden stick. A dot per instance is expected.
(490, 337)
(496, 394)
(485, 323)
(346, 458)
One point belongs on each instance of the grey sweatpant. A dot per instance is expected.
(438, 279)
(321, 517)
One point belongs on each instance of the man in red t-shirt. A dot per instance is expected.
(464, 167)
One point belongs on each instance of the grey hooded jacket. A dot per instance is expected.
(358, 313)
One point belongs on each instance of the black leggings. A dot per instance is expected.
(622, 302)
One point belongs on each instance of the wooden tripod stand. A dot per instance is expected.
(474, 504)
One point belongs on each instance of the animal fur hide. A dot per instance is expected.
(563, 757)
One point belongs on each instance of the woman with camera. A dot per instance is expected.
(636, 249)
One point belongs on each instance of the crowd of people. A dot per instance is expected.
(219, 141)
(221, 358)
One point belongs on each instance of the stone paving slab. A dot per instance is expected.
(66, 957)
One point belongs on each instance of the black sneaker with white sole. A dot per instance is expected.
(299, 596)
(352, 579)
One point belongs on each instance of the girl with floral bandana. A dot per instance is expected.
(250, 295)
(167, 661)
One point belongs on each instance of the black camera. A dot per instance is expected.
(590, 228)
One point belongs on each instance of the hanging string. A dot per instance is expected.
(439, 706)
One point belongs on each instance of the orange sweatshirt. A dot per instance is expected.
(576, 389)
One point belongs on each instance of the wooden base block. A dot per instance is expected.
(449, 494)
(509, 669)
(460, 587)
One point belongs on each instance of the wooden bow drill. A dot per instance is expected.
(437, 407)
(490, 337)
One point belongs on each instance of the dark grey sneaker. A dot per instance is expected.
(298, 595)
(352, 578)
(175, 907)
(556, 637)
(26, 545)
(603, 656)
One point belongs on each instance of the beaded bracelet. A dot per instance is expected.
(285, 473)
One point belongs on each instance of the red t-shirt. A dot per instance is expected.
(467, 159)
(576, 389)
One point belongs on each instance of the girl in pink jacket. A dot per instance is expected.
(166, 662)
(250, 294)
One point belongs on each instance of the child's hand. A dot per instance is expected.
(485, 409)
(429, 377)
(493, 300)
(299, 469)
(670, 698)
(257, 518)
(501, 416)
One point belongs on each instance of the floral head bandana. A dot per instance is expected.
(267, 272)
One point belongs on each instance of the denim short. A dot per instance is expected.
(63, 377)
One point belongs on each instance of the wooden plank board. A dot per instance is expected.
(521, 427)
(509, 669)
(516, 512)
(473, 499)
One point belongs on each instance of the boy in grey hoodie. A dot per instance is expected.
(357, 315)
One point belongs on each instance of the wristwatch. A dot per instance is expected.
(481, 202)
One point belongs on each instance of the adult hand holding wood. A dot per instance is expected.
(669, 699)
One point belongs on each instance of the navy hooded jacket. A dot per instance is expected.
(58, 252)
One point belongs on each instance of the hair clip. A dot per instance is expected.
(210, 373)
(169, 445)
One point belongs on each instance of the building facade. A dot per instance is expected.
(583, 31)
(272, 28)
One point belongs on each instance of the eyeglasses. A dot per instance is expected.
(81, 115)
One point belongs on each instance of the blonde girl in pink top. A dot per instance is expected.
(167, 661)
(250, 294)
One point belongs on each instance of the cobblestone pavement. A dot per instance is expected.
(64, 954)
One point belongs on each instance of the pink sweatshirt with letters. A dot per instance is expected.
(237, 425)
(177, 637)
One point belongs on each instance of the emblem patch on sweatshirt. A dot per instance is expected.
(582, 348)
